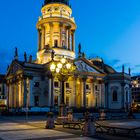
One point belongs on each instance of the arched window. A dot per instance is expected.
(115, 96)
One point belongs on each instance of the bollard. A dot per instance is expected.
(50, 121)
(89, 126)
(102, 115)
(70, 116)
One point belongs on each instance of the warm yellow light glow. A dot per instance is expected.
(59, 65)
(63, 60)
(68, 66)
(52, 67)
(57, 70)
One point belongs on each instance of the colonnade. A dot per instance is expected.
(79, 93)
(17, 93)
(65, 36)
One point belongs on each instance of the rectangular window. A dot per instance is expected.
(96, 87)
(115, 96)
(36, 101)
(67, 85)
(87, 87)
(36, 84)
(56, 84)
(56, 43)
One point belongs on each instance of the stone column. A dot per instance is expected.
(84, 91)
(51, 34)
(28, 92)
(39, 40)
(21, 89)
(13, 95)
(25, 94)
(43, 37)
(73, 41)
(51, 94)
(74, 92)
(61, 27)
(20, 94)
(106, 96)
(103, 94)
(69, 35)
(100, 92)
(17, 94)
(123, 85)
(8, 95)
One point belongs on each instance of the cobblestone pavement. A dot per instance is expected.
(16, 128)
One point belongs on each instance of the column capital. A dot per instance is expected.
(84, 78)
(51, 24)
(73, 31)
(68, 27)
(61, 24)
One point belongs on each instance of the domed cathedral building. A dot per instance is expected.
(94, 84)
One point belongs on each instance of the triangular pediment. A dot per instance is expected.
(14, 68)
(83, 66)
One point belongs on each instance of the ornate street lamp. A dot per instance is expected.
(62, 70)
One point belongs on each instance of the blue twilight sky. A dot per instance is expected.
(106, 28)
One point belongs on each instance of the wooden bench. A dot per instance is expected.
(61, 120)
(72, 124)
(113, 128)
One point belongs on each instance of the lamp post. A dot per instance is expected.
(62, 69)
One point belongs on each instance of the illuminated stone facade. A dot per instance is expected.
(56, 31)
(96, 84)
(136, 89)
(2, 90)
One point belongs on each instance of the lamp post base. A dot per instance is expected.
(89, 126)
(62, 118)
(62, 110)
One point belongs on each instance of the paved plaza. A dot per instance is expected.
(18, 128)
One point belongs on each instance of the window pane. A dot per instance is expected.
(36, 101)
(115, 96)
(67, 85)
(36, 84)
(56, 84)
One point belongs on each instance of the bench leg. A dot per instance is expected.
(132, 131)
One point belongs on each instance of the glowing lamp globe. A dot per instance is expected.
(52, 67)
(68, 66)
(63, 60)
